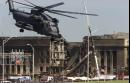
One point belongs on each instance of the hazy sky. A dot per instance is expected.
(113, 17)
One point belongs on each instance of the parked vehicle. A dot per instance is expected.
(6, 82)
(46, 79)
(20, 79)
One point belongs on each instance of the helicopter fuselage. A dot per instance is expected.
(42, 24)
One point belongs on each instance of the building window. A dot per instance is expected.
(42, 60)
(102, 58)
(18, 67)
(13, 69)
(41, 69)
(31, 67)
(114, 58)
(42, 57)
(108, 61)
(1, 69)
(115, 61)
(24, 69)
(7, 69)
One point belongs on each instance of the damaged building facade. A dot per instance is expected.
(54, 56)
(49, 56)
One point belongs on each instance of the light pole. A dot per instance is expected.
(32, 59)
(3, 43)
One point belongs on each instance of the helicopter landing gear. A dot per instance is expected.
(21, 30)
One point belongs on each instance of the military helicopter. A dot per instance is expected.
(37, 20)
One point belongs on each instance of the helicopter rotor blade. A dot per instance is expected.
(54, 5)
(62, 14)
(42, 9)
(74, 12)
(23, 4)
(30, 3)
(25, 7)
(51, 6)
(59, 12)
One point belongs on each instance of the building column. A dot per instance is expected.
(125, 57)
(45, 61)
(105, 62)
(27, 70)
(21, 69)
(10, 68)
(10, 65)
(16, 69)
(37, 61)
(5, 71)
(44, 68)
(122, 58)
(111, 62)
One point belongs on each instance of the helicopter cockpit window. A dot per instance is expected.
(33, 11)
(53, 27)
(55, 20)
